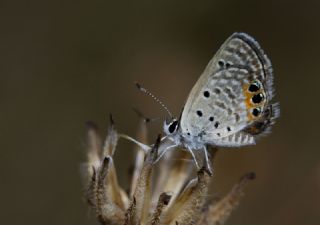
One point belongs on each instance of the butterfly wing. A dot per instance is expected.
(231, 96)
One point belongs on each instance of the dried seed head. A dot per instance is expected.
(94, 144)
(164, 200)
(140, 154)
(218, 213)
(111, 141)
(152, 206)
(187, 206)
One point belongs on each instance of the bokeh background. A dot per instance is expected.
(66, 62)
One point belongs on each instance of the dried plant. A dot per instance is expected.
(161, 193)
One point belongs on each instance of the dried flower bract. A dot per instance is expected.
(162, 193)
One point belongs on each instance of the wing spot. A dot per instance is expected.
(228, 129)
(199, 113)
(221, 63)
(217, 91)
(206, 94)
(229, 93)
(254, 87)
(237, 117)
(221, 105)
(257, 98)
(216, 124)
(256, 111)
(211, 118)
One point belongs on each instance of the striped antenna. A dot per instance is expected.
(154, 97)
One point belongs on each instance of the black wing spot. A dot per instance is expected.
(221, 63)
(211, 118)
(206, 94)
(257, 98)
(216, 124)
(228, 129)
(199, 113)
(256, 111)
(254, 87)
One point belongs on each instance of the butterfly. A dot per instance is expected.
(230, 104)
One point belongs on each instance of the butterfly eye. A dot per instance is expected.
(173, 126)
(256, 111)
(254, 87)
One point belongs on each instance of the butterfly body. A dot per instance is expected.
(229, 105)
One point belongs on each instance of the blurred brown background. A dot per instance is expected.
(66, 62)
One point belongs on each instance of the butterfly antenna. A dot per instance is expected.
(154, 97)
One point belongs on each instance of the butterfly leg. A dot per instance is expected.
(164, 152)
(144, 147)
(194, 158)
(207, 159)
